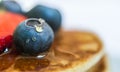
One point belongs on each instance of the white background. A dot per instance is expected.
(99, 16)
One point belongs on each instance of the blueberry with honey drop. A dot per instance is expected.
(33, 36)
(52, 16)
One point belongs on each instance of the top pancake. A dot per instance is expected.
(72, 51)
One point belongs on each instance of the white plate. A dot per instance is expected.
(114, 64)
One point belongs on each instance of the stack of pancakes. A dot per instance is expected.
(72, 51)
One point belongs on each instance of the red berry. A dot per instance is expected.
(2, 44)
(8, 41)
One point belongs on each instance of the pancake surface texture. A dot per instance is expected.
(101, 66)
(72, 51)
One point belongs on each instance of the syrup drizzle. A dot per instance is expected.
(21, 63)
(7, 59)
(30, 64)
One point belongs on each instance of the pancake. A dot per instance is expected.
(72, 51)
(101, 66)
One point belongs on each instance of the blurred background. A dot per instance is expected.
(99, 16)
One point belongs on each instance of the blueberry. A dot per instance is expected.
(11, 6)
(33, 36)
(52, 16)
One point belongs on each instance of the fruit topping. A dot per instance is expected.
(5, 42)
(33, 36)
(2, 45)
(11, 5)
(8, 41)
(51, 16)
